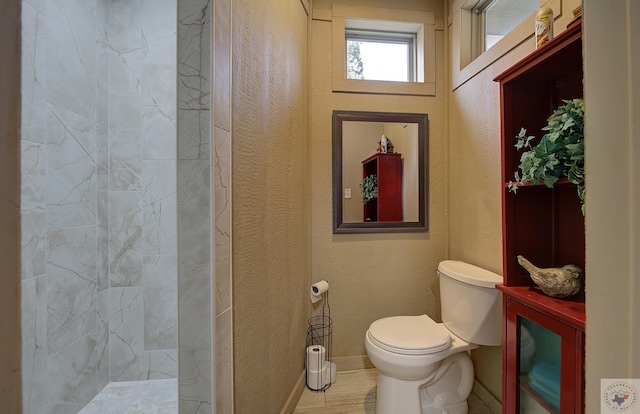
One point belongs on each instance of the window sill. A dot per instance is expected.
(384, 87)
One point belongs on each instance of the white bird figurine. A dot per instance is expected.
(558, 282)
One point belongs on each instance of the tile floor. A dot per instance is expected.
(136, 397)
(354, 392)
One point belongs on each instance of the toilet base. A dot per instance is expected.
(445, 391)
(395, 396)
(459, 408)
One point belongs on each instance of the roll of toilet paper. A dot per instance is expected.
(317, 379)
(330, 373)
(316, 355)
(317, 289)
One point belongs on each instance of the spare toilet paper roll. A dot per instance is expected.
(316, 358)
(317, 380)
(330, 373)
(317, 289)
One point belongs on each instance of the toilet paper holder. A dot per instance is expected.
(320, 370)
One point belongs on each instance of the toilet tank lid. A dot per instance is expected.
(468, 273)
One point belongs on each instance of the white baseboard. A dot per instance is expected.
(492, 402)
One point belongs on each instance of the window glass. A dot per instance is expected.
(380, 56)
(499, 17)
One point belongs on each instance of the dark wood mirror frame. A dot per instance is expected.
(339, 226)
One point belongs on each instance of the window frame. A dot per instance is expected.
(479, 22)
(392, 20)
(478, 29)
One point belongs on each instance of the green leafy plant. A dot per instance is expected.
(369, 187)
(560, 152)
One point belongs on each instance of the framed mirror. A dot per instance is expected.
(380, 172)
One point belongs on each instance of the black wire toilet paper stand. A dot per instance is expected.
(320, 369)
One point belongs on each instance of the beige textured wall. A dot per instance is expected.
(474, 163)
(612, 108)
(474, 133)
(10, 380)
(374, 275)
(270, 201)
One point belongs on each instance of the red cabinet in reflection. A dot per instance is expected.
(387, 206)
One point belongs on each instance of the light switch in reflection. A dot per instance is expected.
(347, 193)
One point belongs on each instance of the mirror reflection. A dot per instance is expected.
(379, 171)
(393, 168)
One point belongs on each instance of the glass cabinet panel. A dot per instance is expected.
(539, 368)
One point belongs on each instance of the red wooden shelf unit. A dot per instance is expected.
(543, 337)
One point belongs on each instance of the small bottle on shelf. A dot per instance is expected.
(544, 26)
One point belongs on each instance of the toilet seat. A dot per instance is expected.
(410, 335)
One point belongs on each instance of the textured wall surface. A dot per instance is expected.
(270, 201)
(375, 275)
(476, 231)
(10, 383)
(611, 39)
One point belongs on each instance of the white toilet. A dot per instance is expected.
(423, 366)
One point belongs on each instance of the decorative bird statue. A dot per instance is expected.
(558, 282)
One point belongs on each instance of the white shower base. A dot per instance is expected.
(139, 397)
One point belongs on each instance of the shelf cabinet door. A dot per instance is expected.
(543, 363)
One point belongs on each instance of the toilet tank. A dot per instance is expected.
(471, 306)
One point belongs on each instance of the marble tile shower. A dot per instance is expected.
(136, 108)
(99, 200)
(195, 309)
(135, 397)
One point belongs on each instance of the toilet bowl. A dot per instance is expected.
(404, 369)
(424, 367)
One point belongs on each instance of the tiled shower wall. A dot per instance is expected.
(222, 18)
(99, 230)
(194, 207)
(64, 332)
(136, 158)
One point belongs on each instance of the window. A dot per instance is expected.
(482, 31)
(495, 18)
(386, 56)
(383, 51)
